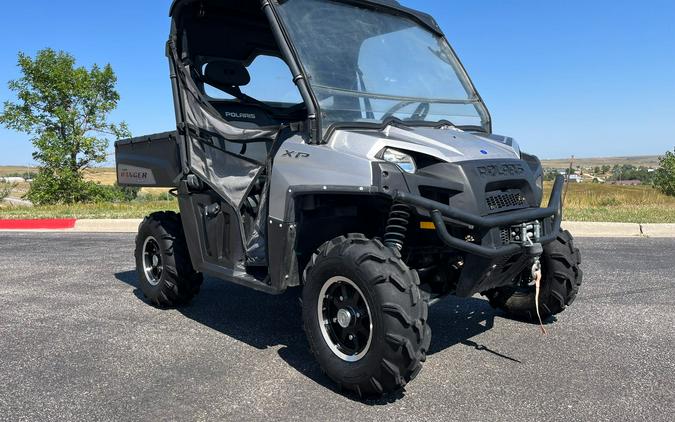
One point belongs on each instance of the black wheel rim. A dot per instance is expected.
(152, 261)
(345, 319)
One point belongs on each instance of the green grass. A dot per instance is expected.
(134, 209)
(626, 214)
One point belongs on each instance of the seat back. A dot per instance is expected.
(226, 74)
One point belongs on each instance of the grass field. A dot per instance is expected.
(612, 203)
(584, 202)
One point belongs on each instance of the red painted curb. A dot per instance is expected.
(52, 224)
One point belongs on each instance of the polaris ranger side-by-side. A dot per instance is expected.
(367, 173)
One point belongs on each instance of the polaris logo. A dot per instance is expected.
(240, 115)
(501, 170)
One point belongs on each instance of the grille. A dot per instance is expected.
(505, 235)
(506, 200)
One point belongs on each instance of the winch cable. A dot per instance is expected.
(536, 275)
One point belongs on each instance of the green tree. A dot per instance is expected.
(65, 109)
(664, 176)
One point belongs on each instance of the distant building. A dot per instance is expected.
(575, 178)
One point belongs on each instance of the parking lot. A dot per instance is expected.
(78, 342)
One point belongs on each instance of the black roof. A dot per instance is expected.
(422, 17)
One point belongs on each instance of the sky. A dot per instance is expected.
(585, 78)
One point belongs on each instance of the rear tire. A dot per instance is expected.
(561, 279)
(391, 353)
(163, 265)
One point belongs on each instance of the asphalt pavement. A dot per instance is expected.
(78, 342)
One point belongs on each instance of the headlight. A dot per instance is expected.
(540, 182)
(401, 159)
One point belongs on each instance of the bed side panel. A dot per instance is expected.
(148, 161)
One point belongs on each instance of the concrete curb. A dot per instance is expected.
(587, 229)
(107, 226)
(658, 230)
(578, 229)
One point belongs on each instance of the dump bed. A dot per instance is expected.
(148, 161)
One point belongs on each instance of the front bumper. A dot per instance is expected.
(441, 214)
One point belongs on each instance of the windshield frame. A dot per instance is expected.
(427, 23)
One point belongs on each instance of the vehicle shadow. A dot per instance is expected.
(263, 321)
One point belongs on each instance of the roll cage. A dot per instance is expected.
(274, 39)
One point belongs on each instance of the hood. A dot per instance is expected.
(447, 144)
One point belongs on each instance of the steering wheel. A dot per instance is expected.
(420, 113)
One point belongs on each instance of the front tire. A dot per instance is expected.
(561, 279)
(364, 316)
(163, 265)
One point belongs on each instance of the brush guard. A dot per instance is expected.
(526, 227)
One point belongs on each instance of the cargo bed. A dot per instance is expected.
(149, 161)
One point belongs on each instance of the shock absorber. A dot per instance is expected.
(397, 225)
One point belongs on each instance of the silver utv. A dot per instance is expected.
(380, 190)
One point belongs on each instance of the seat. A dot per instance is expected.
(226, 75)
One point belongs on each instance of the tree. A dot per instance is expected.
(65, 109)
(664, 176)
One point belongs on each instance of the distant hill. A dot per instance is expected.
(15, 170)
(105, 175)
(637, 161)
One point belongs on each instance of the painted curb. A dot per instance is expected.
(47, 224)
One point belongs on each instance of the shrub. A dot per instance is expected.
(65, 187)
(151, 196)
(96, 192)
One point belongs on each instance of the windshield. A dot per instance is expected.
(367, 66)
